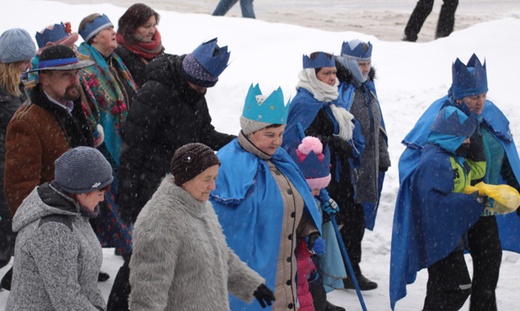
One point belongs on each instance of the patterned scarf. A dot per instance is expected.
(147, 50)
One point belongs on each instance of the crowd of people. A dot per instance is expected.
(111, 144)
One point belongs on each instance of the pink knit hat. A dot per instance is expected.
(314, 162)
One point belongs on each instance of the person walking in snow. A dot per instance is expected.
(358, 207)
(468, 93)
(196, 268)
(58, 255)
(16, 51)
(260, 184)
(422, 9)
(225, 5)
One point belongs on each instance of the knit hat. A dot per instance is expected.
(470, 79)
(203, 66)
(190, 160)
(93, 28)
(82, 170)
(261, 111)
(314, 162)
(60, 57)
(56, 34)
(16, 45)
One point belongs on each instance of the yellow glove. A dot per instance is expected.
(506, 198)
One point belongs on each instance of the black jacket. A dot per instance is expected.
(166, 114)
(135, 64)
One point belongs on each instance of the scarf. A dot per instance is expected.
(147, 50)
(352, 65)
(321, 91)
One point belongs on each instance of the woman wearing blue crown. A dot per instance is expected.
(262, 199)
(491, 232)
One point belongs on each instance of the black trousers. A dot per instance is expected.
(350, 219)
(448, 279)
(423, 8)
(118, 298)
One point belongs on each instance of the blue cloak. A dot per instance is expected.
(405, 259)
(249, 206)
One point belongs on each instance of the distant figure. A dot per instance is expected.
(225, 5)
(421, 12)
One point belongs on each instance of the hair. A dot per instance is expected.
(272, 126)
(89, 19)
(74, 196)
(315, 54)
(136, 16)
(10, 77)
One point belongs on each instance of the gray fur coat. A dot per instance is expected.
(57, 256)
(180, 258)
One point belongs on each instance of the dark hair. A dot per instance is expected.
(315, 54)
(134, 17)
(273, 126)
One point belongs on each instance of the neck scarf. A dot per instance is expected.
(147, 50)
(321, 91)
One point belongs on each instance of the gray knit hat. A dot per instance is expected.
(82, 170)
(16, 45)
(190, 160)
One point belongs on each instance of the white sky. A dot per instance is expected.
(409, 77)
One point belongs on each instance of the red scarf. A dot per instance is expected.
(147, 50)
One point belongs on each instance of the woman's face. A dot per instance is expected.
(268, 140)
(91, 199)
(327, 75)
(146, 31)
(201, 185)
(475, 102)
(105, 41)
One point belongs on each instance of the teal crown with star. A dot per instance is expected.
(270, 109)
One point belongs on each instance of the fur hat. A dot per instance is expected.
(470, 79)
(261, 111)
(190, 160)
(56, 34)
(60, 57)
(203, 66)
(16, 45)
(82, 170)
(314, 162)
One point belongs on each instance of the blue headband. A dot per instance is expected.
(93, 28)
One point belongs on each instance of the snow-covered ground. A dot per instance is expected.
(409, 77)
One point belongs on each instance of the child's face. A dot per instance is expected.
(315, 192)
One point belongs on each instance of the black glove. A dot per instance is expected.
(264, 295)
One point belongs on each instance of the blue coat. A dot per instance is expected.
(247, 201)
(405, 259)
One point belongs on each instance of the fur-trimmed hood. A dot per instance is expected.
(344, 75)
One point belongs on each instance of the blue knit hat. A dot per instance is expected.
(470, 79)
(16, 45)
(93, 28)
(314, 162)
(82, 170)
(203, 66)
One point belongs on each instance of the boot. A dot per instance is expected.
(330, 307)
(363, 282)
(6, 280)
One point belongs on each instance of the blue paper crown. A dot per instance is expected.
(320, 61)
(91, 29)
(359, 51)
(51, 35)
(272, 110)
(470, 79)
(452, 121)
(211, 57)
(312, 167)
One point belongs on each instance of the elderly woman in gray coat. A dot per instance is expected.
(180, 259)
(57, 253)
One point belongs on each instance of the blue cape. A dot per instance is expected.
(405, 259)
(249, 206)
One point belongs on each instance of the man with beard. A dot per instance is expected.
(46, 126)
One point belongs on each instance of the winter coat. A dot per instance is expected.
(165, 115)
(37, 135)
(306, 269)
(58, 256)
(8, 106)
(362, 102)
(180, 258)
(275, 206)
(135, 64)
